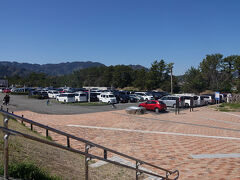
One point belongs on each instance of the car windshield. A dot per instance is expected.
(111, 96)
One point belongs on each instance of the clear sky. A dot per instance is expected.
(118, 31)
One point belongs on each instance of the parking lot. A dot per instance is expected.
(204, 144)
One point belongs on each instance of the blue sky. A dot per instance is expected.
(118, 31)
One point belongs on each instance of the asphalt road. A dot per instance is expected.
(21, 103)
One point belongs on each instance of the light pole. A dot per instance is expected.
(171, 71)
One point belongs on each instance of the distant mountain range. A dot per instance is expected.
(8, 68)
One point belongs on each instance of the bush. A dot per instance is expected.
(28, 171)
(19, 93)
(35, 96)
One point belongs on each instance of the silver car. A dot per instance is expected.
(170, 101)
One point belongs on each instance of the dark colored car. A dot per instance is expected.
(154, 105)
(157, 95)
(93, 97)
(39, 94)
(121, 96)
(132, 98)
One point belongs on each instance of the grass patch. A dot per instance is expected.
(28, 170)
(89, 104)
(83, 103)
(228, 107)
(19, 93)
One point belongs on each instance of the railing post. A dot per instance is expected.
(22, 120)
(7, 109)
(137, 172)
(5, 158)
(31, 127)
(68, 142)
(46, 133)
(87, 147)
(1, 108)
(105, 154)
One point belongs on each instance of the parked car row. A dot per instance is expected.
(184, 100)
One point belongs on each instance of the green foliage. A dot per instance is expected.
(194, 82)
(19, 93)
(226, 107)
(214, 73)
(35, 96)
(28, 171)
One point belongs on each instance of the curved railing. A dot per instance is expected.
(88, 144)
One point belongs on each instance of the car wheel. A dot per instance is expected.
(64, 101)
(156, 110)
(109, 102)
(187, 105)
(146, 99)
(174, 106)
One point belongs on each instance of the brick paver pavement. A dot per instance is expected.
(171, 151)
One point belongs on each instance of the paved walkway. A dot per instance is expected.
(167, 140)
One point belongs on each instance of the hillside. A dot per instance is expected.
(14, 68)
(8, 68)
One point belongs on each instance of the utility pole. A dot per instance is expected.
(170, 65)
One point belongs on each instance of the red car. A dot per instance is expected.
(6, 91)
(154, 105)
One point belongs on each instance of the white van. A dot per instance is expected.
(145, 95)
(53, 94)
(80, 97)
(107, 97)
(66, 97)
(187, 100)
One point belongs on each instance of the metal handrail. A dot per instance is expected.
(88, 144)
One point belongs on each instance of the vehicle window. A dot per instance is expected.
(70, 95)
(111, 96)
(160, 102)
(195, 98)
(149, 102)
(83, 95)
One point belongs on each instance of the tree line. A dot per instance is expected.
(215, 72)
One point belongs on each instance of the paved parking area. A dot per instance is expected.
(21, 103)
(204, 144)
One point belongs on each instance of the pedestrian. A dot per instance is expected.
(177, 106)
(48, 102)
(191, 104)
(113, 105)
(6, 99)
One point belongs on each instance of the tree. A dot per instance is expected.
(158, 75)
(210, 70)
(193, 81)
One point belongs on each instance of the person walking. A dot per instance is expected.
(48, 101)
(191, 104)
(6, 99)
(177, 106)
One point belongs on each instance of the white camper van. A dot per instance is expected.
(66, 97)
(107, 97)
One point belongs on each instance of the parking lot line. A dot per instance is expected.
(154, 132)
(231, 114)
(212, 119)
(203, 156)
(178, 122)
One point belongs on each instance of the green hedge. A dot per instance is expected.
(28, 171)
(19, 93)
